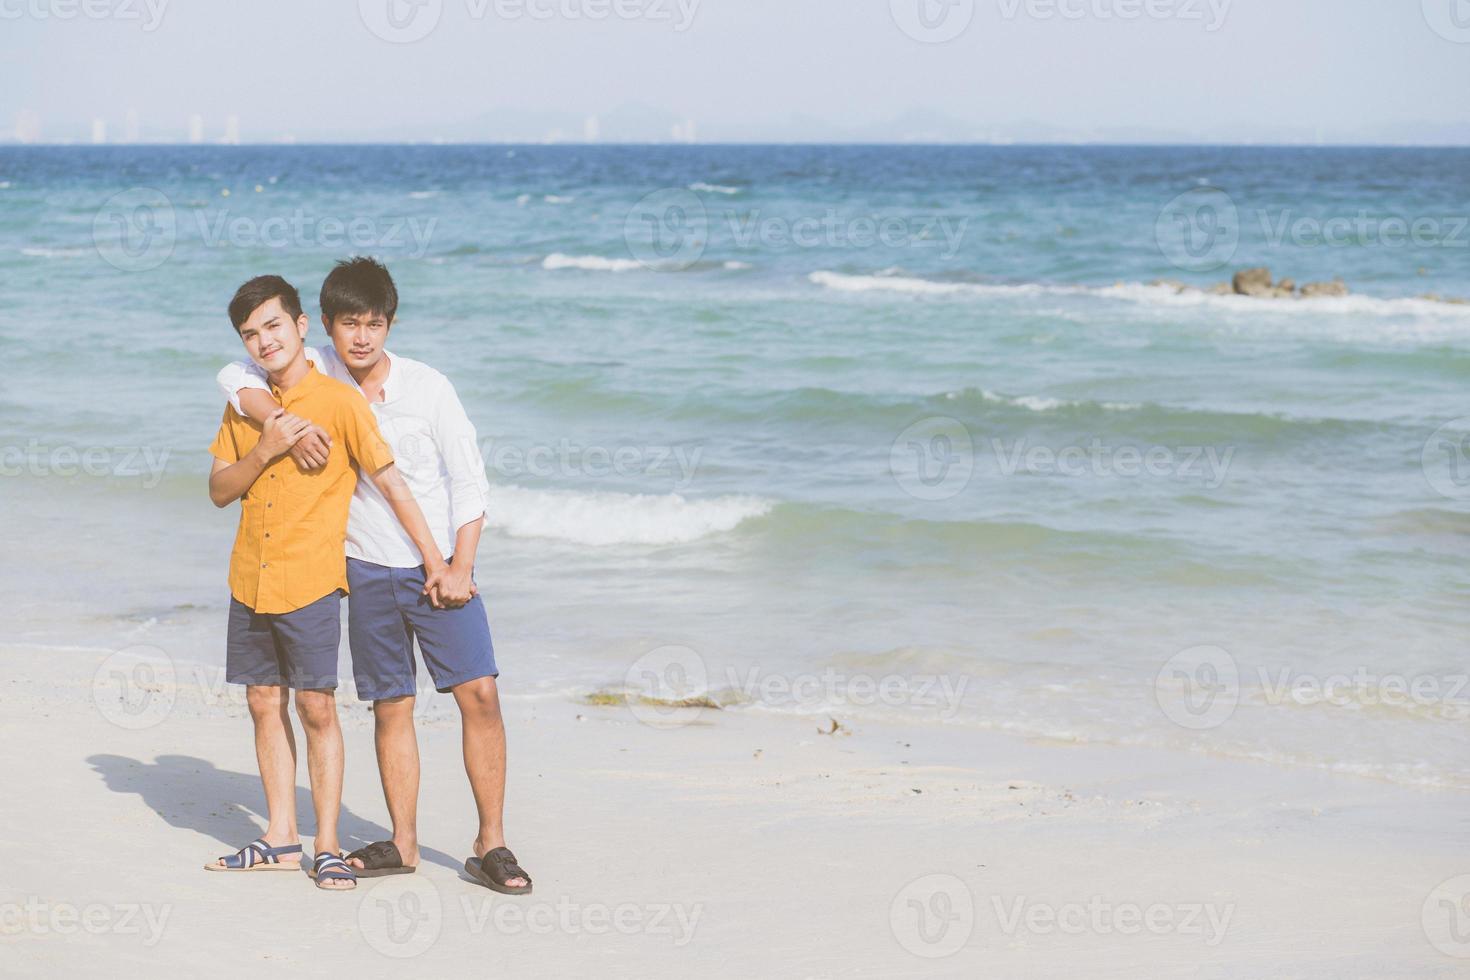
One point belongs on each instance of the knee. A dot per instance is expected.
(479, 698)
(393, 712)
(317, 709)
(265, 701)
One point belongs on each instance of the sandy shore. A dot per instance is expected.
(742, 844)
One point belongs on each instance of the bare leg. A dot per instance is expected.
(318, 713)
(484, 760)
(275, 754)
(398, 764)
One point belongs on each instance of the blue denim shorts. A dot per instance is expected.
(387, 611)
(297, 649)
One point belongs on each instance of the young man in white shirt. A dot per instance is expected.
(389, 606)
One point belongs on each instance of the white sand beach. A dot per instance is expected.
(741, 844)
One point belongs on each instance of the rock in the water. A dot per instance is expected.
(1253, 282)
(1287, 284)
(1221, 289)
(1316, 289)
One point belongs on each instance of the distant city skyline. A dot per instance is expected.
(718, 71)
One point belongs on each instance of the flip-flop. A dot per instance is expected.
(496, 868)
(379, 859)
(327, 866)
(258, 856)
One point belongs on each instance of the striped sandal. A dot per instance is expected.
(327, 866)
(258, 856)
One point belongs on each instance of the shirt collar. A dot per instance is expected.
(390, 383)
(307, 382)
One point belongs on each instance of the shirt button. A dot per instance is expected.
(264, 565)
(267, 534)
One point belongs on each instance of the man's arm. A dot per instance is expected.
(244, 385)
(458, 587)
(228, 482)
(365, 445)
(310, 451)
(390, 482)
(455, 436)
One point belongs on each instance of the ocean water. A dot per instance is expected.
(871, 432)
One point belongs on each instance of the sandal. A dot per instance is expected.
(380, 859)
(257, 856)
(327, 866)
(496, 868)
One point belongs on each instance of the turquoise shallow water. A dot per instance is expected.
(864, 412)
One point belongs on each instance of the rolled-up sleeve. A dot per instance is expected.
(238, 375)
(458, 443)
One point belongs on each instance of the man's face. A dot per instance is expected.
(358, 337)
(271, 337)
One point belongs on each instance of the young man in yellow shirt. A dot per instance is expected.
(288, 569)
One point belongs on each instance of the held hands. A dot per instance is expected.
(448, 585)
(307, 442)
(311, 450)
(279, 433)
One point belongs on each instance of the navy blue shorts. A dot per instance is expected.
(297, 649)
(388, 611)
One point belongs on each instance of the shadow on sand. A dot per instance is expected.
(191, 794)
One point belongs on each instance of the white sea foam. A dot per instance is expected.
(558, 199)
(733, 264)
(422, 195)
(589, 263)
(1149, 295)
(1041, 403)
(41, 252)
(892, 284)
(606, 518)
(713, 188)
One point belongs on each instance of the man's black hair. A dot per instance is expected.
(359, 285)
(263, 289)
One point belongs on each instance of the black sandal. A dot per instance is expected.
(496, 868)
(380, 859)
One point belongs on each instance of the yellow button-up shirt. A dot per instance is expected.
(289, 548)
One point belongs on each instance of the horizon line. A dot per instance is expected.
(580, 144)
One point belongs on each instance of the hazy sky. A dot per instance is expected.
(1352, 70)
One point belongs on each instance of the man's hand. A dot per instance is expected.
(434, 575)
(454, 587)
(279, 433)
(310, 451)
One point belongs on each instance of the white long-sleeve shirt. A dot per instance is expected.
(434, 445)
